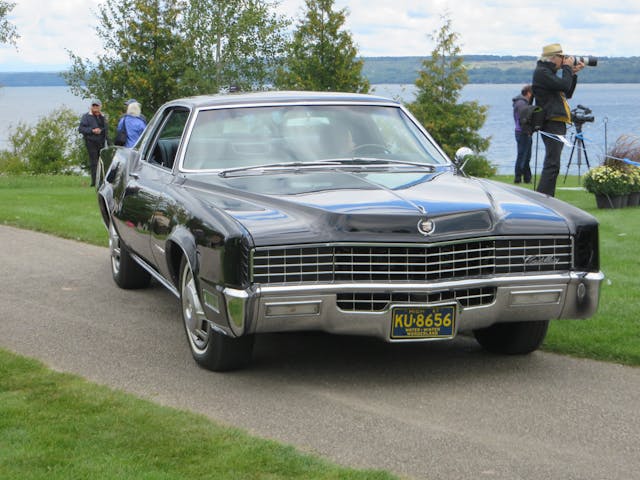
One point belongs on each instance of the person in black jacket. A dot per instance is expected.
(551, 92)
(93, 127)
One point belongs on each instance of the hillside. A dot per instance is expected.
(497, 69)
(481, 68)
(31, 79)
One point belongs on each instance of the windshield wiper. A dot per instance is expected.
(364, 161)
(361, 163)
(278, 166)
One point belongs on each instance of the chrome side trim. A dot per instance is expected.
(153, 272)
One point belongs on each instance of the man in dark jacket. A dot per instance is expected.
(93, 127)
(523, 137)
(551, 93)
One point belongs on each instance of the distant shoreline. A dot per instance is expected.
(487, 69)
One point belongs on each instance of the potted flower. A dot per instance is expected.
(610, 185)
(634, 194)
(624, 155)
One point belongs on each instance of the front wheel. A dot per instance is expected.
(517, 338)
(210, 349)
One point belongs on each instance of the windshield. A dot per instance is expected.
(250, 136)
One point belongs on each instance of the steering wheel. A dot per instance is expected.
(370, 148)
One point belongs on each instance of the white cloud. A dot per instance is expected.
(379, 28)
(47, 31)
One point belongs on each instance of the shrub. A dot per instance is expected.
(479, 166)
(52, 146)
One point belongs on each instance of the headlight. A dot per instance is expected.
(586, 255)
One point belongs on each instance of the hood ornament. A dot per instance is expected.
(426, 226)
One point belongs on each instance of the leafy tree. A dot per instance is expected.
(234, 42)
(321, 55)
(8, 32)
(440, 84)
(157, 50)
(143, 56)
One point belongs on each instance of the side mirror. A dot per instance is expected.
(461, 154)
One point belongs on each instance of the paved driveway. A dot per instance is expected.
(438, 411)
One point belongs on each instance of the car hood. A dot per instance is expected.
(326, 206)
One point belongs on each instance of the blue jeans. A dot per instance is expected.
(523, 170)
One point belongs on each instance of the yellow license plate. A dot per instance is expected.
(437, 321)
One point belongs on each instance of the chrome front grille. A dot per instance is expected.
(410, 263)
(377, 302)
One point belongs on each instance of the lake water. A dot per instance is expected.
(615, 107)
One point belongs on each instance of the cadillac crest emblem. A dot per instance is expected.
(426, 226)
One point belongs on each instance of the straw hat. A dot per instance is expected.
(551, 50)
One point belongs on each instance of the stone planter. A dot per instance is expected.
(611, 201)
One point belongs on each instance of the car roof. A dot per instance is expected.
(270, 97)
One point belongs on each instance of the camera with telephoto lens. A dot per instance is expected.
(580, 115)
(588, 61)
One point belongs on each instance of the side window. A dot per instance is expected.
(164, 148)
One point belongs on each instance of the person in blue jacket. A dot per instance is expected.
(133, 122)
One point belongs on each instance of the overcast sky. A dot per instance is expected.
(379, 27)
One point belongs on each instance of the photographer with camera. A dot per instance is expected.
(551, 92)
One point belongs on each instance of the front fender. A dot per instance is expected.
(181, 243)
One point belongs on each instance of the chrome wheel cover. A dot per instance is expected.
(195, 322)
(114, 248)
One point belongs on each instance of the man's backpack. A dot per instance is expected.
(531, 118)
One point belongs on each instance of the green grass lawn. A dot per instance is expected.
(67, 206)
(56, 426)
(61, 205)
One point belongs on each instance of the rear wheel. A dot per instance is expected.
(127, 273)
(517, 338)
(210, 349)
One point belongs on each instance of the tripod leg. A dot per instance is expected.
(573, 147)
(586, 158)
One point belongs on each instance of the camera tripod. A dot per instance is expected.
(578, 141)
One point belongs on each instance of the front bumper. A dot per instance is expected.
(315, 307)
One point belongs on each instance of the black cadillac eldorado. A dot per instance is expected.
(292, 211)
